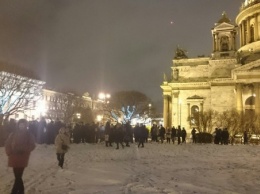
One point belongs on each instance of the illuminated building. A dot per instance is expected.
(229, 79)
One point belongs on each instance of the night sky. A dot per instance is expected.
(107, 45)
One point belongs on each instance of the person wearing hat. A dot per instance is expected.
(18, 147)
(62, 142)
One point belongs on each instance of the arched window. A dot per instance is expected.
(250, 107)
(250, 101)
(194, 115)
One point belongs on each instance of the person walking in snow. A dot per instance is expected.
(193, 133)
(168, 135)
(18, 147)
(179, 134)
(142, 135)
(183, 135)
(119, 135)
(173, 134)
(162, 133)
(62, 142)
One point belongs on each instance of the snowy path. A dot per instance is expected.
(157, 168)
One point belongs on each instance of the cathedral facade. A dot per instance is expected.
(229, 79)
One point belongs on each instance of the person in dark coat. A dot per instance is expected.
(183, 135)
(218, 136)
(193, 133)
(50, 133)
(119, 135)
(18, 147)
(179, 134)
(137, 132)
(107, 133)
(173, 134)
(225, 136)
(41, 131)
(162, 133)
(76, 133)
(128, 134)
(154, 130)
(142, 135)
(245, 137)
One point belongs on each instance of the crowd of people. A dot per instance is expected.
(22, 136)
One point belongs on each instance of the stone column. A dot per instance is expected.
(257, 98)
(230, 39)
(165, 110)
(201, 107)
(170, 112)
(240, 34)
(243, 33)
(188, 105)
(234, 41)
(248, 30)
(214, 43)
(239, 98)
(256, 28)
(217, 43)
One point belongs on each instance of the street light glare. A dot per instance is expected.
(101, 96)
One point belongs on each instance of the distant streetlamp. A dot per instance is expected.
(104, 97)
(78, 115)
(99, 118)
(149, 110)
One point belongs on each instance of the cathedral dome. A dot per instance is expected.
(249, 3)
(248, 22)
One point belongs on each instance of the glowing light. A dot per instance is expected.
(78, 115)
(41, 108)
(101, 96)
(99, 117)
(172, 22)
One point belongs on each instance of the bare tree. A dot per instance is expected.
(257, 124)
(126, 105)
(232, 120)
(206, 120)
(18, 94)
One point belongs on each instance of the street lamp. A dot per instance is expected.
(104, 99)
(103, 96)
(78, 115)
(99, 118)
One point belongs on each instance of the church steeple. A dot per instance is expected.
(224, 38)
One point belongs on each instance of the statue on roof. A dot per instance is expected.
(180, 53)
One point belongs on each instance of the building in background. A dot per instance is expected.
(229, 79)
(23, 95)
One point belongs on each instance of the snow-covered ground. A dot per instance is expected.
(156, 168)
